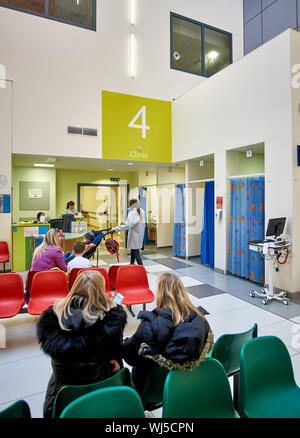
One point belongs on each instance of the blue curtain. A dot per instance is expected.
(208, 232)
(143, 201)
(179, 234)
(247, 201)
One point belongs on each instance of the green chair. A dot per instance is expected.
(227, 350)
(203, 392)
(267, 383)
(152, 395)
(69, 393)
(18, 410)
(115, 402)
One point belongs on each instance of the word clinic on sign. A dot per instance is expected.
(140, 155)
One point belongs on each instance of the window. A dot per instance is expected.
(77, 12)
(198, 48)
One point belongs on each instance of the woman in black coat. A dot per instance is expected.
(175, 335)
(83, 334)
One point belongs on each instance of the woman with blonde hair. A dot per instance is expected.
(82, 333)
(49, 254)
(174, 335)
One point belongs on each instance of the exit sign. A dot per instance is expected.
(115, 179)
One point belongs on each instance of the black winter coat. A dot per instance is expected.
(81, 355)
(158, 335)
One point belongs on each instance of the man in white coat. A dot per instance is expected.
(135, 224)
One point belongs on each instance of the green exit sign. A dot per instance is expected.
(115, 179)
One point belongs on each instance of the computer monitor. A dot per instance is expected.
(276, 227)
(67, 218)
(56, 223)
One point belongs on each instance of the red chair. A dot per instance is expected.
(12, 297)
(29, 279)
(4, 253)
(105, 275)
(112, 275)
(132, 283)
(47, 287)
(73, 276)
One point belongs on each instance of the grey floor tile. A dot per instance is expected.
(174, 264)
(203, 290)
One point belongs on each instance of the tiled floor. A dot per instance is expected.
(25, 370)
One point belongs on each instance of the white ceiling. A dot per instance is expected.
(73, 163)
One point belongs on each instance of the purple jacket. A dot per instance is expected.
(53, 258)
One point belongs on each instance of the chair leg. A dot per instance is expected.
(144, 306)
(4, 267)
(236, 383)
(131, 311)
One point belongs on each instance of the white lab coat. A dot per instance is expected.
(135, 224)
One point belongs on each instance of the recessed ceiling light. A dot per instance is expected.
(43, 165)
(130, 164)
(111, 170)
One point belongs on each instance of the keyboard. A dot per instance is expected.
(261, 241)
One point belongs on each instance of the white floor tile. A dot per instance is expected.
(287, 331)
(24, 378)
(157, 268)
(100, 262)
(188, 281)
(20, 346)
(296, 367)
(297, 319)
(222, 324)
(225, 302)
(252, 315)
(35, 403)
(155, 256)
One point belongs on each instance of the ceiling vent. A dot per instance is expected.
(92, 132)
(74, 130)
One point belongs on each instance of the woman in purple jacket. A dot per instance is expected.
(49, 255)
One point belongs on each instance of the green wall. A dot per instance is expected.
(67, 180)
(238, 164)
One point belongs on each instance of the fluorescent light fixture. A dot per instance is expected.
(212, 55)
(132, 55)
(111, 170)
(43, 165)
(132, 11)
(130, 164)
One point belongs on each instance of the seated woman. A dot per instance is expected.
(82, 334)
(40, 218)
(71, 208)
(175, 335)
(49, 254)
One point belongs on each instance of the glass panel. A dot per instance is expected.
(251, 8)
(31, 5)
(75, 11)
(217, 51)
(278, 17)
(187, 45)
(253, 34)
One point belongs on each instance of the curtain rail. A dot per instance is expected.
(245, 176)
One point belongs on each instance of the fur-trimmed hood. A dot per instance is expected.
(82, 342)
(169, 345)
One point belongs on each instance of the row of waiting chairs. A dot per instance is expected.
(267, 390)
(46, 287)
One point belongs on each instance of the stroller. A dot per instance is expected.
(96, 238)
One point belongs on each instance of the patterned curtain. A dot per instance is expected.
(179, 235)
(247, 200)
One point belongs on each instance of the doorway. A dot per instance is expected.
(104, 206)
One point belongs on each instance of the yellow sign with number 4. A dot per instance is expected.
(136, 128)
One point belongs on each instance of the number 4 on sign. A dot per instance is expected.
(143, 126)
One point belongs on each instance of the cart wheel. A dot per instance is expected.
(251, 294)
(264, 302)
(285, 301)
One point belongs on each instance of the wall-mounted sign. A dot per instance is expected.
(219, 202)
(4, 203)
(136, 128)
(35, 193)
(115, 179)
(3, 181)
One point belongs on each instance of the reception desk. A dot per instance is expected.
(22, 244)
